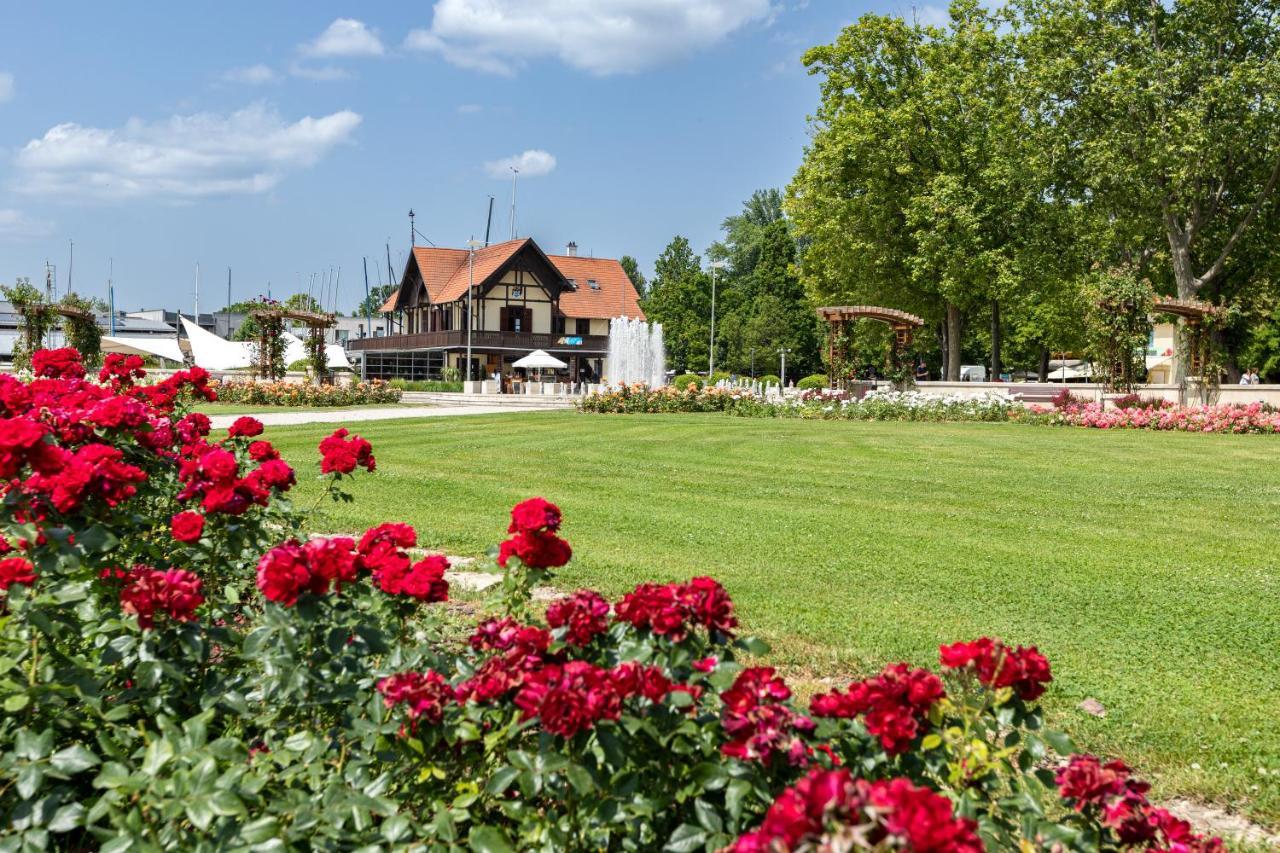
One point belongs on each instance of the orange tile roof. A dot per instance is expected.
(445, 274)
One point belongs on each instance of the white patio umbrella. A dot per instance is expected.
(539, 360)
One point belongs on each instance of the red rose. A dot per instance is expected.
(261, 451)
(340, 455)
(173, 592)
(997, 665)
(283, 573)
(535, 550)
(583, 615)
(425, 694)
(534, 515)
(896, 704)
(569, 699)
(61, 363)
(330, 562)
(187, 526)
(16, 570)
(245, 427)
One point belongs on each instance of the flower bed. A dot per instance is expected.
(305, 393)
(181, 667)
(887, 405)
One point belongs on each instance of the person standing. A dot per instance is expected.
(922, 370)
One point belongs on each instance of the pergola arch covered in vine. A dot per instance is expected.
(1195, 316)
(269, 324)
(838, 318)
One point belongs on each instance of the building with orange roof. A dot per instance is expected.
(515, 298)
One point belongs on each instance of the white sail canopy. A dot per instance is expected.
(213, 353)
(143, 345)
(539, 360)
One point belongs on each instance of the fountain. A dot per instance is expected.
(636, 353)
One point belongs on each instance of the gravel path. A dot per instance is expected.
(334, 416)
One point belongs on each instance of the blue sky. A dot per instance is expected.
(283, 140)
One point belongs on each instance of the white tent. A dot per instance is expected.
(539, 360)
(336, 357)
(213, 353)
(294, 348)
(143, 345)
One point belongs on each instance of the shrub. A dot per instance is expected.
(812, 381)
(305, 393)
(180, 669)
(718, 376)
(684, 380)
(1136, 401)
(1065, 398)
(769, 379)
(299, 366)
(430, 385)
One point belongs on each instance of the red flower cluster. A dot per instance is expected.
(342, 455)
(583, 615)
(893, 813)
(1110, 793)
(672, 610)
(758, 721)
(634, 679)
(425, 694)
(534, 541)
(424, 580)
(61, 363)
(288, 570)
(569, 698)
(16, 570)
(212, 473)
(245, 427)
(896, 703)
(94, 470)
(381, 551)
(997, 665)
(121, 371)
(187, 526)
(174, 592)
(521, 650)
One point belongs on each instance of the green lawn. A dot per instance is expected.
(1144, 565)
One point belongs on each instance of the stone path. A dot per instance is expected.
(342, 416)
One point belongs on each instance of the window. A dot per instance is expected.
(582, 326)
(593, 284)
(516, 319)
(557, 325)
(573, 283)
(517, 292)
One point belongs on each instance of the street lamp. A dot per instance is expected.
(472, 245)
(783, 352)
(711, 364)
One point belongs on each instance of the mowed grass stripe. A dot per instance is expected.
(1143, 564)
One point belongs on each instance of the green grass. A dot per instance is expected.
(1143, 564)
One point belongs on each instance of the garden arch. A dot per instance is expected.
(838, 318)
(270, 323)
(1194, 315)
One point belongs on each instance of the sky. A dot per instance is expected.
(287, 140)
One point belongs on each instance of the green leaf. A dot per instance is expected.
(260, 830)
(395, 828)
(708, 816)
(489, 839)
(1060, 741)
(226, 803)
(73, 759)
(199, 812)
(66, 818)
(580, 779)
(501, 779)
(158, 754)
(753, 646)
(29, 780)
(686, 839)
(15, 703)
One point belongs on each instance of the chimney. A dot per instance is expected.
(571, 250)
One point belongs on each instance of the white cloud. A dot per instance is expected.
(248, 151)
(601, 36)
(532, 164)
(16, 226)
(320, 73)
(469, 109)
(252, 75)
(6, 86)
(346, 37)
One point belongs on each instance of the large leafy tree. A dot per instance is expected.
(680, 299)
(917, 190)
(1162, 119)
(632, 268)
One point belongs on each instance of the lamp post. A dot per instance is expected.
(783, 352)
(711, 363)
(472, 245)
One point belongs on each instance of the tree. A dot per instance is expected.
(378, 295)
(303, 302)
(680, 299)
(632, 268)
(1163, 118)
(915, 188)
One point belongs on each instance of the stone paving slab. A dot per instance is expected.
(343, 416)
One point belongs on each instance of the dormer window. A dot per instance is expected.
(573, 283)
(593, 284)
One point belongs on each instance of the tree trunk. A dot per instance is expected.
(1184, 275)
(995, 340)
(1044, 363)
(953, 343)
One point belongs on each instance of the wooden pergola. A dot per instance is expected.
(838, 318)
(1193, 313)
(315, 321)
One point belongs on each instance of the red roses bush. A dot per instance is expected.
(245, 684)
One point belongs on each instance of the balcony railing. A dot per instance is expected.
(481, 340)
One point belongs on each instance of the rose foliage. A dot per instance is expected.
(182, 667)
